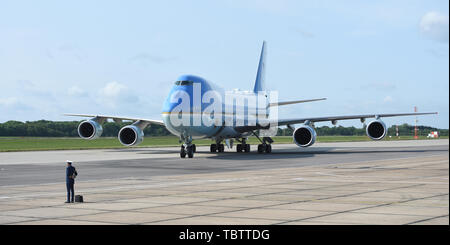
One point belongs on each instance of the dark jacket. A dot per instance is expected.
(70, 171)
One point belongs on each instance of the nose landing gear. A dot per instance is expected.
(187, 148)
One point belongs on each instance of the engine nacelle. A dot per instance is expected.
(90, 129)
(376, 130)
(131, 135)
(304, 136)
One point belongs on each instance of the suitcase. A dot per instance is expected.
(78, 198)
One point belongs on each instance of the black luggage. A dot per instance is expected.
(78, 198)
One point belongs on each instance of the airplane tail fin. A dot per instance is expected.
(259, 82)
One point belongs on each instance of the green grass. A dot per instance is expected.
(38, 143)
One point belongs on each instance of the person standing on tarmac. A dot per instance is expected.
(71, 173)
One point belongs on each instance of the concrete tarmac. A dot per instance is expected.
(392, 182)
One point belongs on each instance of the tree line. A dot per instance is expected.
(44, 128)
(403, 130)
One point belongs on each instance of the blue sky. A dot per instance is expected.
(122, 57)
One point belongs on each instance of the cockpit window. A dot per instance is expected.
(183, 83)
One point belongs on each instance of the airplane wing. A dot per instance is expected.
(334, 119)
(119, 119)
(293, 102)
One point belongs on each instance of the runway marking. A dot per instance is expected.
(376, 181)
(374, 176)
(413, 167)
(79, 181)
(334, 175)
(154, 185)
(298, 179)
(418, 221)
(357, 209)
(381, 160)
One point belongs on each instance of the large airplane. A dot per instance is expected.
(196, 108)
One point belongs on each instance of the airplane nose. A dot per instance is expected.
(179, 94)
(184, 91)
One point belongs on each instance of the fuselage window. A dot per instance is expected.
(183, 83)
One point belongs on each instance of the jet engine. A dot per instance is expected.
(90, 129)
(376, 130)
(131, 135)
(304, 136)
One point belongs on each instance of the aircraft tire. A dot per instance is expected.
(213, 148)
(268, 148)
(247, 148)
(190, 151)
(182, 152)
(239, 148)
(260, 148)
(221, 148)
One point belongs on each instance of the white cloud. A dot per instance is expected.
(435, 26)
(30, 88)
(13, 103)
(388, 99)
(114, 94)
(112, 89)
(7, 102)
(76, 92)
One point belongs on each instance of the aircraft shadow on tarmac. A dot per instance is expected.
(300, 154)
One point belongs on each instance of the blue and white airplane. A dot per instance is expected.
(196, 108)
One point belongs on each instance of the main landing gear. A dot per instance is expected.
(217, 147)
(267, 148)
(243, 147)
(265, 145)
